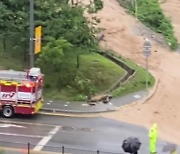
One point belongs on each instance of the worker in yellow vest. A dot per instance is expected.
(153, 134)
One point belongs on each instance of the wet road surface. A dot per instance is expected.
(44, 133)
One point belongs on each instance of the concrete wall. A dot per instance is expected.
(129, 71)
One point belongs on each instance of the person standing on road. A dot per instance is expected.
(153, 134)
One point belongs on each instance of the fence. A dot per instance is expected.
(27, 148)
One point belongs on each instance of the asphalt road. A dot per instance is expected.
(83, 107)
(45, 132)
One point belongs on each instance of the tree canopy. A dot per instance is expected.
(66, 35)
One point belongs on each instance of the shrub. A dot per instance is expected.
(84, 86)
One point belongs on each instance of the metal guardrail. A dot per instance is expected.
(27, 148)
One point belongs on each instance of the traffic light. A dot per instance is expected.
(38, 33)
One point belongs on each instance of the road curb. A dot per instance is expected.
(153, 91)
(69, 114)
(75, 113)
(143, 101)
(51, 110)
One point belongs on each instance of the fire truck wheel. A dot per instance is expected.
(8, 111)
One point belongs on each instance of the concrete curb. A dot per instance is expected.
(153, 91)
(88, 115)
(51, 110)
(143, 101)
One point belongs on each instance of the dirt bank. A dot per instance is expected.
(163, 108)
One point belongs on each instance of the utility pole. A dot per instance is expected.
(31, 40)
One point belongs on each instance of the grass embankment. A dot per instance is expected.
(135, 83)
(100, 71)
(151, 14)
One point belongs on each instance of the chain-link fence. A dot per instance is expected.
(27, 148)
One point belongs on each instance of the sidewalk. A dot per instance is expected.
(83, 107)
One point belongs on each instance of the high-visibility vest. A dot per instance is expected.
(153, 138)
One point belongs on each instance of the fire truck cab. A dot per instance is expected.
(21, 92)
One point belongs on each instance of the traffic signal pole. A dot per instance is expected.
(31, 41)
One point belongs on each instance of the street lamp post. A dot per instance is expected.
(31, 40)
(147, 53)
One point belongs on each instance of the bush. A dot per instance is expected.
(95, 6)
(83, 85)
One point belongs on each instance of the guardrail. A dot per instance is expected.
(28, 148)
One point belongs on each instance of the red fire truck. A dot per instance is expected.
(21, 92)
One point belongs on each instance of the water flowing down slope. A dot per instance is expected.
(121, 35)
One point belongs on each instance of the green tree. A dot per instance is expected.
(72, 25)
(10, 21)
(14, 19)
(66, 36)
(52, 54)
(57, 18)
(83, 85)
(51, 60)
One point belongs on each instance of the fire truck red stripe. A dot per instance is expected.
(8, 88)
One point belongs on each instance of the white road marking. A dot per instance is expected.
(10, 125)
(85, 104)
(27, 123)
(110, 103)
(65, 105)
(21, 135)
(50, 101)
(137, 96)
(46, 139)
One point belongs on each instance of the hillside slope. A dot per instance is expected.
(171, 9)
(164, 106)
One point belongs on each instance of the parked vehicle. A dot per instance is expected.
(21, 92)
